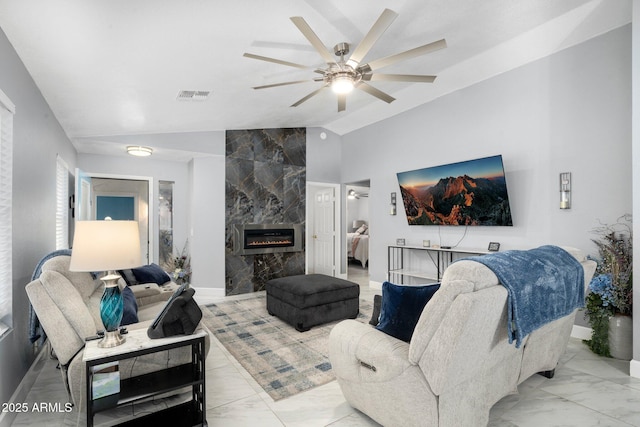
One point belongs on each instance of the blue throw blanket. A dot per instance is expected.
(544, 284)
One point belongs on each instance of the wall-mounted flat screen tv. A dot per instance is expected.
(473, 192)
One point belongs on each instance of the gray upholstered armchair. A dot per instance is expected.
(67, 306)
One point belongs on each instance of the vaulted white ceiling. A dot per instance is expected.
(115, 67)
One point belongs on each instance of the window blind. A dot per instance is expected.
(62, 207)
(6, 164)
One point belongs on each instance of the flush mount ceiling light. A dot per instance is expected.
(139, 151)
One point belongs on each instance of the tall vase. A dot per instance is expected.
(621, 337)
(111, 308)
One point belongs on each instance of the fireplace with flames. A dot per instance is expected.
(249, 239)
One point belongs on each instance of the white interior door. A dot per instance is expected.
(323, 232)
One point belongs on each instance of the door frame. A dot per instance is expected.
(152, 217)
(311, 187)
(366, 183)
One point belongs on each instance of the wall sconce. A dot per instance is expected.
(565, 190)
(393, 204)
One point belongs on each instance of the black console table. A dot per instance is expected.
(141, 387)
(398, 272)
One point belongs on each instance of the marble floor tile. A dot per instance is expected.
(319, 407)
(357, 419)
(587, 390)
(226, 385)
(606, 397)
(546, 410)
(244, 412)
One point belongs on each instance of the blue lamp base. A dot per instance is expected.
(111, 308)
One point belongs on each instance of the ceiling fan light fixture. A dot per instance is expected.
(139, 151)
(342, 84)
(349, 72)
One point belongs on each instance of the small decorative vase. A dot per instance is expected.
(621, 337)
(111, 308)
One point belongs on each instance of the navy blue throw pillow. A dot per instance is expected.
(128, 277)
(130, 311)
(151, 273)
(401, 308)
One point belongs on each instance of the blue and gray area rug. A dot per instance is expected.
(282, 360)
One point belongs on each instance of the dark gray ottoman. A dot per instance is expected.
(312, 299)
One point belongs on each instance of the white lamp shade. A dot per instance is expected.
(105, 245)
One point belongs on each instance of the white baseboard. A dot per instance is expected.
(634, 368)
(206, 296)
(581, 332)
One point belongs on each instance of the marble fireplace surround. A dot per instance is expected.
(265, 174)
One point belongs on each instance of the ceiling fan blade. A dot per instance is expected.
(275, 61)
(314, 93)
(375, 92)
(380, 26)
(403, 56)
(342, 102)
(281, 84)
(376, 77)
(315, 41)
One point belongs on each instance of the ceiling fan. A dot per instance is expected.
(352, 194)
(345, 75)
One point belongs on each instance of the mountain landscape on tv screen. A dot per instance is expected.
(461, 200)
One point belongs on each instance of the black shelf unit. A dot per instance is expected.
(138, 388)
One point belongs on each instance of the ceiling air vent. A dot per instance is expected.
(193, 95)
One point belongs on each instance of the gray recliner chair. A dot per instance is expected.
(67, 306)
(459, 362)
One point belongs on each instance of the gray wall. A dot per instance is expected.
(197, 208)
(207, 223)
(323, 156)
(635, 363)
(37, 138)
(566, 113)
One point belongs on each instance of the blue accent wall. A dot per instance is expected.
(119, 208)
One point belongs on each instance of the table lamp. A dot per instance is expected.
(107, 246)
